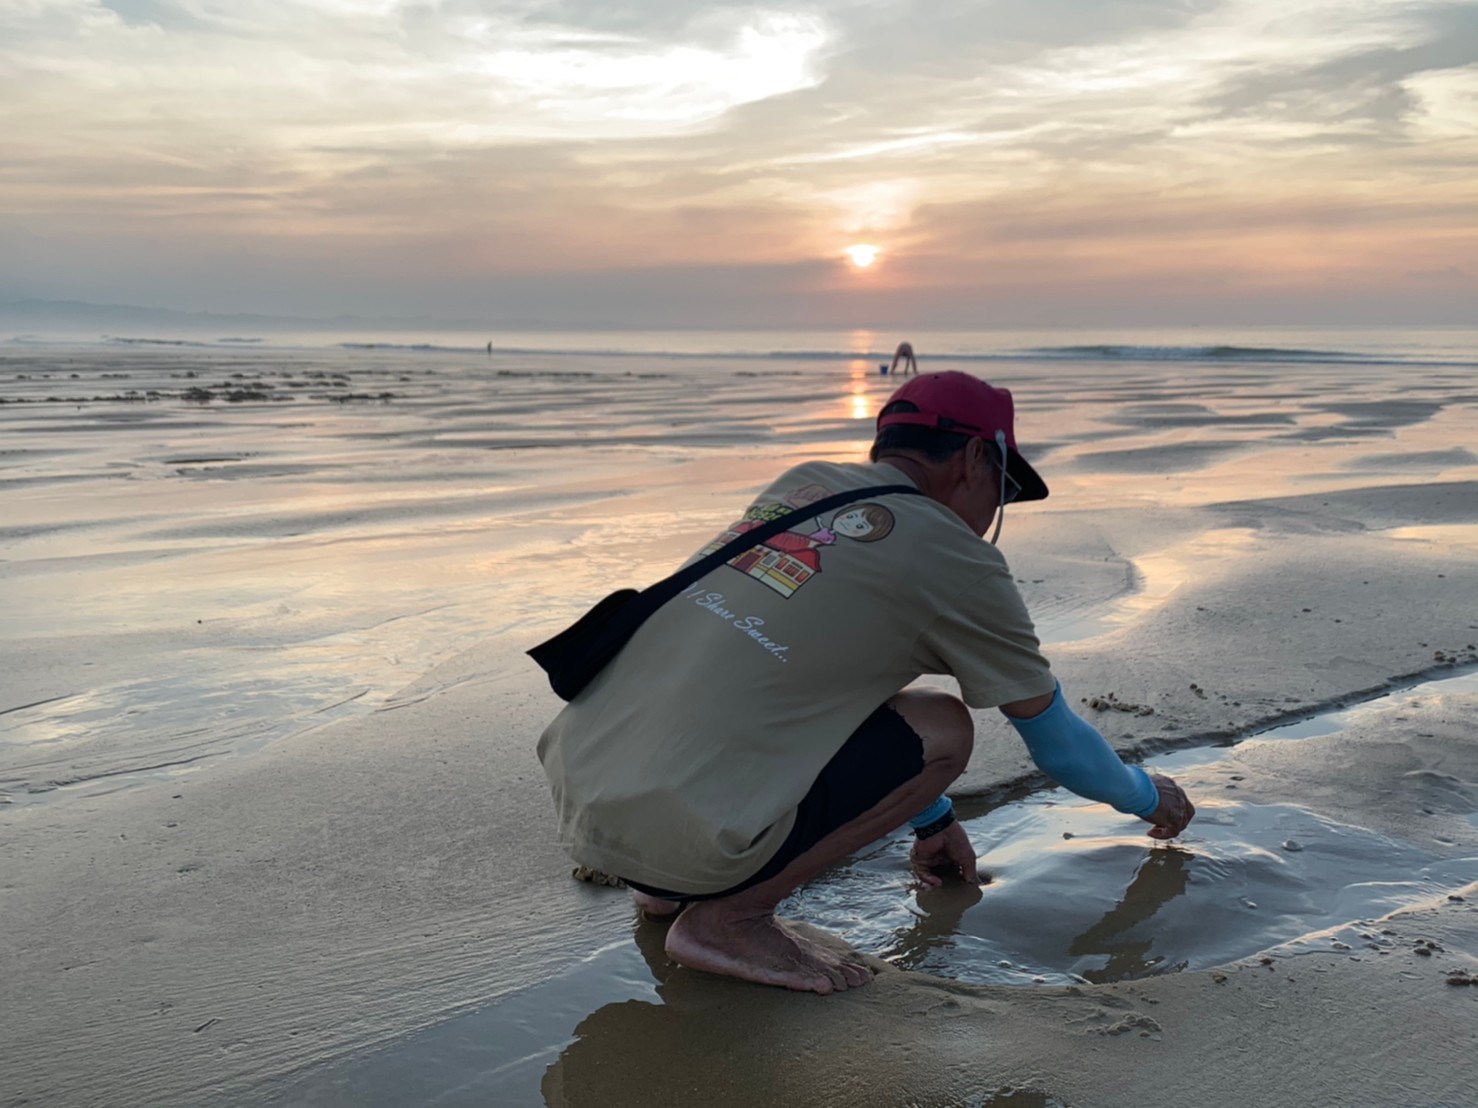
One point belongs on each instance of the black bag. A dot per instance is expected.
(574, 656)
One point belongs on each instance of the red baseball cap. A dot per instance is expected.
(966, 405)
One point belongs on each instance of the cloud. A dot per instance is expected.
(1371, 87)
(360, 151)
(277, 77)
(605, 83)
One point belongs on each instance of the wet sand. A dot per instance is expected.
(296, 852)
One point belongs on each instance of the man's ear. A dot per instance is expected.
(974, 456)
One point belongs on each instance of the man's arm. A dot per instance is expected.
(1071, 751)
(1025, 709)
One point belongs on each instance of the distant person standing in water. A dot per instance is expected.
(759, 727)
(904, 353)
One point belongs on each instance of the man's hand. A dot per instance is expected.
(1174, 812)
(950, 849)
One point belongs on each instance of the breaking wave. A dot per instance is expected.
(123, 341)
(433, 348)
(1111, 352)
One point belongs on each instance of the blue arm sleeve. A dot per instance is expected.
(1069, 749)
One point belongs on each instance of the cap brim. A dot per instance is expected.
(1020, 471)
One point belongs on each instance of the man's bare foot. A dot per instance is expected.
(654, 907)
(759, 948)
(853, 968)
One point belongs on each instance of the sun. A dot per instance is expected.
(862, 254)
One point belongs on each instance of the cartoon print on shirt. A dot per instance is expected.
(865, 523)
(786, 561)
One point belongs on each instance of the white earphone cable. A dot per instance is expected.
(1000, 496)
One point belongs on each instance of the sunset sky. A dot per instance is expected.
(672, 163)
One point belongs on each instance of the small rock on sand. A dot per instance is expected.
(1134, 1021)
(596, 877)
(1112, 703)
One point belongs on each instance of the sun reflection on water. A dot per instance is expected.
(857, 401)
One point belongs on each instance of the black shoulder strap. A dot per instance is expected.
(664, 590)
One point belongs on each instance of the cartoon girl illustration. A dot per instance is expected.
(864, 523)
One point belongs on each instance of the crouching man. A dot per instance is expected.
(757, 729)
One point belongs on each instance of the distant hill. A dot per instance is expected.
(75, 316)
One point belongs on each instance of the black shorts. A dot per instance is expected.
(882, 754)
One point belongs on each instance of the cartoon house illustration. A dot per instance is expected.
(784, 572)
(783, 562)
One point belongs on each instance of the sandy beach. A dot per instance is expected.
(272, 830)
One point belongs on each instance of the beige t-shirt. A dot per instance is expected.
(681, 765)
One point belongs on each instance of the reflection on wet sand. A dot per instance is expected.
(712, 1041)
(1163, 877)
(940, 912)
(1078, 894)
(612, 1060)
(694, 1014)
(736, 1044)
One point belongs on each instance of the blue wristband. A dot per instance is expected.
(933, 813)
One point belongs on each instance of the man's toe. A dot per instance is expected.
(837, 978)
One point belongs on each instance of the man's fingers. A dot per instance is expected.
(968, 868)
(1176, 810)
(1187, 813)
(950, 850)
(1172, 826)
(922, 871)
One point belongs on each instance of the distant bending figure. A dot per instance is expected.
(904, 353)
